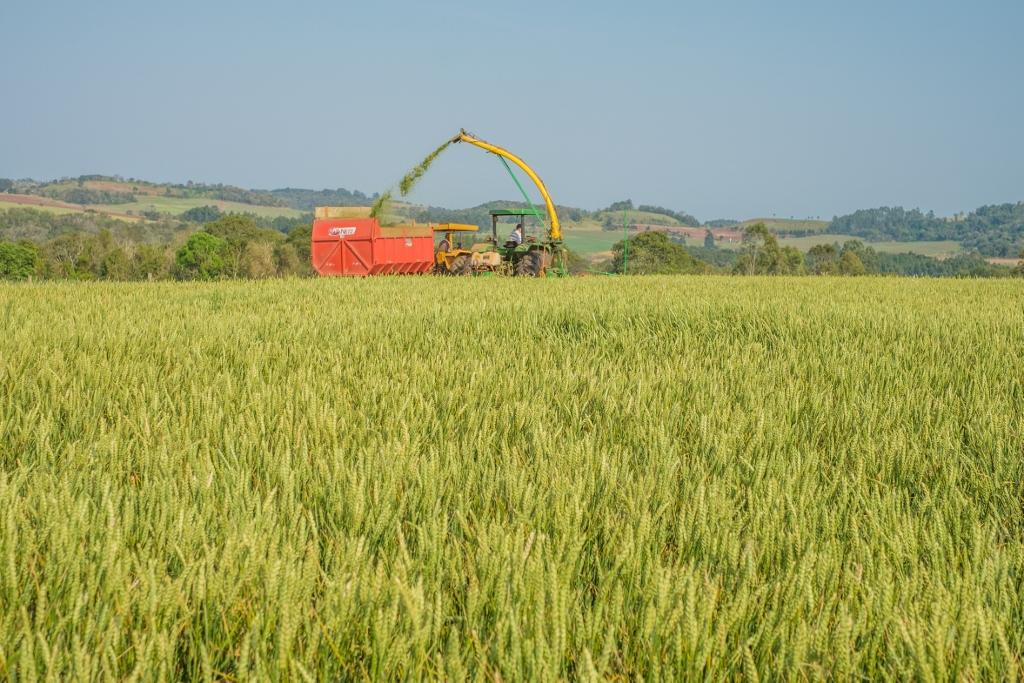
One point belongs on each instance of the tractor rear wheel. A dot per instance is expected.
(461, 265)
(531, 264)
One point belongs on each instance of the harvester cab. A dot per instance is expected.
(535, 254)
(452, 257)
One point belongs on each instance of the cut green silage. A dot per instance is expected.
(407, 183)
(410, 179)
(380, 206)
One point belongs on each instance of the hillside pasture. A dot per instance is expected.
(788, 224)
(634, 217)
(8, 201)
(38, 202)
(138, 188)
(13, 201)
(175, 206)
(592, 242)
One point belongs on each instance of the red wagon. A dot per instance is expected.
(361, 246)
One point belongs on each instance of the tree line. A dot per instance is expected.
(236, 246)
(307, 200)
(230, 246)
(85, 195)
(994, 230)
(761, 254)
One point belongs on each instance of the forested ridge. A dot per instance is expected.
(994, 230)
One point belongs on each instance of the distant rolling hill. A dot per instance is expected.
(589, 232)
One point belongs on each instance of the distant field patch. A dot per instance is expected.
(788, 224)
(7, 204)
(36, 202)
(585, 225)
(588, 242)
(636, 217)
(936, 249)
(117, 186)
(178, 205)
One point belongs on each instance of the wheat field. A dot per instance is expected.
(499, 479)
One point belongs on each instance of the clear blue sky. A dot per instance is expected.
(722, 109)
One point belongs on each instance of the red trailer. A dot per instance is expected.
(361, 246)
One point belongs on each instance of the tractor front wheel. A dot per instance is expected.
(531, 264)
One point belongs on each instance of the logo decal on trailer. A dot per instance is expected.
(341, 232)
(408, 241)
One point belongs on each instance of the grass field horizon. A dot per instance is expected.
(511, 479)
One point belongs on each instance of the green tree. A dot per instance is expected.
(203, 257)
(793, 261)
(237, 231)
(106, 259)
(201, 214)
(823, 259)
(301, 238)
(68, 256)
(116, 265)
(761, 254)
(867, 256)
(6, 184)
(287, 260)
(851, 264)
(258, 260)
(651, 253)
(151, 262)
(1018, 270)
(19, 260)
(709, 240)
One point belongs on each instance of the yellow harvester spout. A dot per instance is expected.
(554, 228)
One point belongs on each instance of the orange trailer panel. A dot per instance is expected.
(360, 246)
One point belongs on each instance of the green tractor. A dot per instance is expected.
(535, 254)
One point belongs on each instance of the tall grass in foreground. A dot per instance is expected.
(512, 479)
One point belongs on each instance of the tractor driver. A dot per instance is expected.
(516, 238)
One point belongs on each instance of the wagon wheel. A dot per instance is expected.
(531, 264)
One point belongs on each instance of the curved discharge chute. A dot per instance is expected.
(554, 228)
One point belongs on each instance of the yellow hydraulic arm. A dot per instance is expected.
(554, 229)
